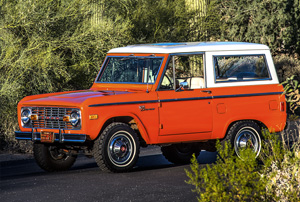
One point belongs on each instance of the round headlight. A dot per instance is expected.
(25, 116)
(75, 118)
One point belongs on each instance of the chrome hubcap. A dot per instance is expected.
(120, 150)
(247, 138)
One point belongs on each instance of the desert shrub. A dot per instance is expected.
(274, 176)
(281, 158)
(286, 66)
(278, 22)
(229, 179)
(50, 46)
(292, 93)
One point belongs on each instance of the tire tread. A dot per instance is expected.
(99, 153)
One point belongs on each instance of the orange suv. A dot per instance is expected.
(181, 96)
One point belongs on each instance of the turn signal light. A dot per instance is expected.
(93, 116)
(34, 117)
(66, 118)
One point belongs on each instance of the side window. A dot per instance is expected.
(188, 68)
(240, 68)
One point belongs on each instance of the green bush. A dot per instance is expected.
(286, 66)
(229, 179)
(50, 46)
(274, 23)
(292, 93)
(281, 158)
(275, 176)
(59, 45)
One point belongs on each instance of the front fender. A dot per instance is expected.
(94, 131)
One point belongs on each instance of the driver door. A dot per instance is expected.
(186, 112)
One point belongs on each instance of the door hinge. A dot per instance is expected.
(161, 126)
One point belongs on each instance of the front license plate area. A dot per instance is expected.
(47, 137)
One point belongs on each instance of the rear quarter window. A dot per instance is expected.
(240, 68)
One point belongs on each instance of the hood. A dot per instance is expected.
(70, 98)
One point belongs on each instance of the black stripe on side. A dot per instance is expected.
(186, 99)
(246, 95)
(124, 103)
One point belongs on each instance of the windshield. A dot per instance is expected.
(130, 69)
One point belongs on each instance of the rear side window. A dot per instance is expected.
(241, 68)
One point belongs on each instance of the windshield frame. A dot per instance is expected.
(103, 67)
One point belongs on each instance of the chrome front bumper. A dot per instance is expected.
(59, 137)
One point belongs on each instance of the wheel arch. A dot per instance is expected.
(133, 121)
(259, 123)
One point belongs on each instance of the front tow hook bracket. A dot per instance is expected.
(60, 136)
(33, 136)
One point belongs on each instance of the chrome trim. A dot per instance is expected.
(28, 122)
(52, 118)
(121, 148)
(233, 81)
(75, 122)
(59, 137)
(247, 137)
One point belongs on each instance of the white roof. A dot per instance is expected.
(186, 47)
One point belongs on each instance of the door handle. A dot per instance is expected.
(206, 91)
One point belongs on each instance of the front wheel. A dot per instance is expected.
(117, 148)
(51, 158)
(180, 153)
(245, 134)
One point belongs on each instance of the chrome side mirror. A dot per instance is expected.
(182, 86)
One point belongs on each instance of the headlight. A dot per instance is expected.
(75, 118)
(25, 116)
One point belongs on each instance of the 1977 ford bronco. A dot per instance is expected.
(181, 96)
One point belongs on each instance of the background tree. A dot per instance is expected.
(274, 23)
(58, 45)
(50, 46)
(155, 21)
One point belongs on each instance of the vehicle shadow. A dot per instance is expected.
(158, 161)
(25, 168)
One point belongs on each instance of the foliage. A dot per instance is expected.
(274, 23)
(275, 178)
(292, 92)
(206, 24)
(58, 45)
(230, 179)
(286, 66)
(155, 21)
(50, 46)
(281, 158)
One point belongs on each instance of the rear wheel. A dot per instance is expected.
(117, 148)
(180, 153)
(245, 134)
(52, 158)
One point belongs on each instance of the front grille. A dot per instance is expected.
(51, 117)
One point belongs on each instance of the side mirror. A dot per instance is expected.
(182, 86)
